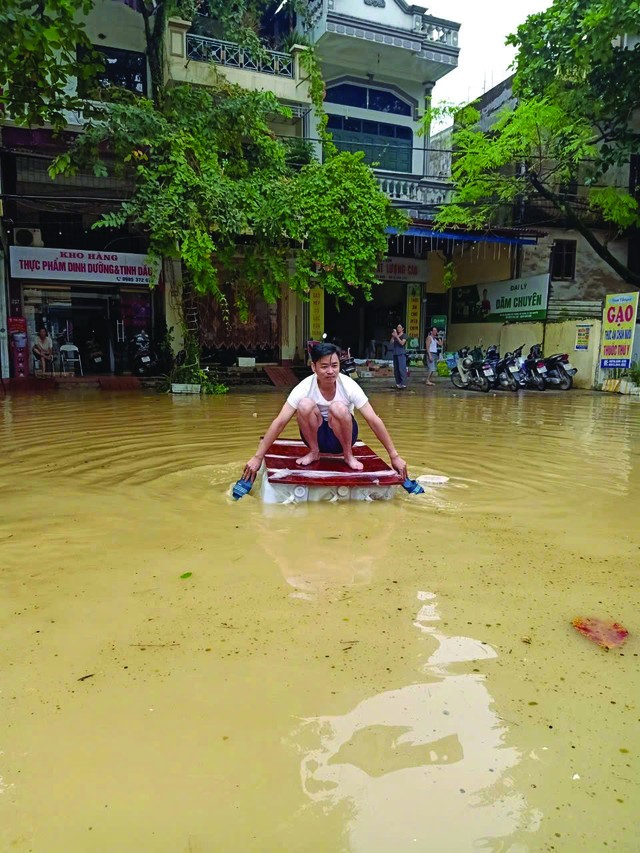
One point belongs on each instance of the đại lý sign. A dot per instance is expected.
(71, 265)
(516, 300)
(618, 328)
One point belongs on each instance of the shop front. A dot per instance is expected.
(365, 326)
(95, 301)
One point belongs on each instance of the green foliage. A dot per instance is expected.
(634, 373)
(577, 88)
(191, 372)
(574, 53)
(38, 55)
(450, 275)
(208, 170)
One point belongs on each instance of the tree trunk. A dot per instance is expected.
(155, 23)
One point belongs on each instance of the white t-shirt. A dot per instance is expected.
(347, 392)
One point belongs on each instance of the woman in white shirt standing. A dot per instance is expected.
(324, 404)
(432, 354)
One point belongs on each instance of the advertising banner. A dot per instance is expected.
(316, 313)
(583, 334)
(618, 328)
(75, 265)
(413, 311)
(519, 299)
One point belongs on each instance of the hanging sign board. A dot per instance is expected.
(413, 310)
(618, 328)
(519, 299)
(84, 265)
(316, 313)
(403, 269)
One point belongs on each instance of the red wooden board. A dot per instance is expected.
(282, 377)
(329, 470)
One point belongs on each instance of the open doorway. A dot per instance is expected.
(365, 327)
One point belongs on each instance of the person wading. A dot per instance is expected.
(399, 343)
(323, 404)
(432, 354)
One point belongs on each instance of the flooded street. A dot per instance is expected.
(354, 677)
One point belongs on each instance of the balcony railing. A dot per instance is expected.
(205, 49)
(436, 31)
(431, 29)
(413, 190)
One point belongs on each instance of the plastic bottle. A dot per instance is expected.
(241, 488)
(413, 487)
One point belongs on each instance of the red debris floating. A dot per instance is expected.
(605, 634)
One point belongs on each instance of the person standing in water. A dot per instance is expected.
(324, 404)
(432, 354)
(399, 344)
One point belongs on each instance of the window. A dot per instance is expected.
(389, 146)
(367, 98)
(563, 260)
(124, 68)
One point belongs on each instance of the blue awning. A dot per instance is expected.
(463, 236)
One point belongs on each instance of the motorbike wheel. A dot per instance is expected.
(538, 383)
(513, 383)
(483, 383)
(456, 379)
(566, 382)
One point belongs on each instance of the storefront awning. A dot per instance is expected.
(464, 236)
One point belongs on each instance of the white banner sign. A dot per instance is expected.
(82, 265)
(403, 269)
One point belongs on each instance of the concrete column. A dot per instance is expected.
(428, 91)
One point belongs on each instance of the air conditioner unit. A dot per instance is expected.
(28, 237)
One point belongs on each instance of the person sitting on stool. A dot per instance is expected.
(43, 351)
(324, 404)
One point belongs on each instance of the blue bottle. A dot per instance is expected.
(241, 488)
(413, 487)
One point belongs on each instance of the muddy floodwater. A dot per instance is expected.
(385, 676)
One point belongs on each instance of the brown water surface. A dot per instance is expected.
(359, 677)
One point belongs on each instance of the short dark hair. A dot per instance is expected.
(319, 351)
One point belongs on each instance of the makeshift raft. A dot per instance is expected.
(328, 479)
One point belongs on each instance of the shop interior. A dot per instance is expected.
(101, 325)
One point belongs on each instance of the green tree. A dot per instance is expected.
(211, 181)
(38, 57)
(577, 85)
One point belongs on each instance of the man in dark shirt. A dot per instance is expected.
(399, 344)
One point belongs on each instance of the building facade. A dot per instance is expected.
(380, 61)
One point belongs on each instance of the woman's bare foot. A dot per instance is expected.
(353, 463)
(307, 459)
(428, 383)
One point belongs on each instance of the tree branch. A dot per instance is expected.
(574, 220)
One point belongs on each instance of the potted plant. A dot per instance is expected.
(188, 376)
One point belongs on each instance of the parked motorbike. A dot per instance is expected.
(504, 369)
(560, 371)
(143, 359)
(532, 370)
(472, 370)
(94, 355)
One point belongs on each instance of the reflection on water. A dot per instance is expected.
(327, 677)
(431, 754)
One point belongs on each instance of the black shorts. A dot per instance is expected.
(327, 439)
